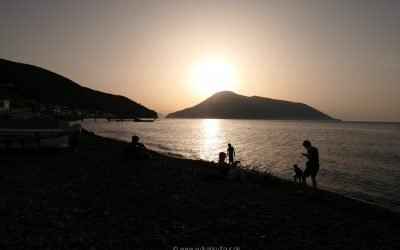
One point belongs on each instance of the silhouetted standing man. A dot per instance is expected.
(312, 165)
(231, 153)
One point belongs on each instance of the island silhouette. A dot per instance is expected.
(229, 105)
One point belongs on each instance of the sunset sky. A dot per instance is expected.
(341, 57)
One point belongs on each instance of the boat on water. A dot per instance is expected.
(16, 134)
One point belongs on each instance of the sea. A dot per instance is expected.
(360, 160)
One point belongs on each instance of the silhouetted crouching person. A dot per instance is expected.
(135, 150)
(312, 165)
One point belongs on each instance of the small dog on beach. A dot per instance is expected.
(298, 174)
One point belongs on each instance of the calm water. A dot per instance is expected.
(360, 160)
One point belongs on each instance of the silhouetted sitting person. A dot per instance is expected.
(135, 150)
(223, 166)
(221, 159)
(75, 136)
(298, 174)
(229, 170)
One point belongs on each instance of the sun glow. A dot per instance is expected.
(212, 75)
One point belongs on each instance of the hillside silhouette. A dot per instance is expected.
(229, 105)
(29, 82)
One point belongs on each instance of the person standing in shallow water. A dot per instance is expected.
(231, 153)
(312, 165)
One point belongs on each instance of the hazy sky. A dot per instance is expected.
(341, 57)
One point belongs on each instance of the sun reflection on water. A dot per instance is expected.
(274, 146)
(211, 139)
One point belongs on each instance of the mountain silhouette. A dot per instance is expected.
(43, 86)
(229, 105)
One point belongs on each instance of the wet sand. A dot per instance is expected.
(93, 200)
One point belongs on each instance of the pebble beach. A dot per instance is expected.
(91, 199)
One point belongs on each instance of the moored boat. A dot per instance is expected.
(33, 138)
(34, 134)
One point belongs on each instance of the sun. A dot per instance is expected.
(211, 75)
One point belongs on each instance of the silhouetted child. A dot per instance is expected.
(135, 150)
(298, 174)
(231, 153)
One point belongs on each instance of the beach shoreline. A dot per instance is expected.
(92, 199)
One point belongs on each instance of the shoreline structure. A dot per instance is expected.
(93, 200)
